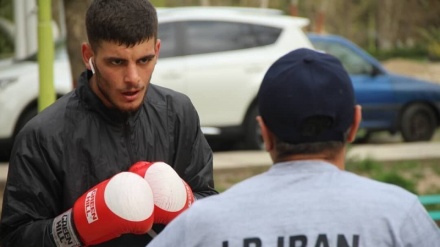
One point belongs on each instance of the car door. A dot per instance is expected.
(373, 88)
(224, 60)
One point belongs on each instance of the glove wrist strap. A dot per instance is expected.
(63, 231)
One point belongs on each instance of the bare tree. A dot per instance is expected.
(76, 34)
(293, 7)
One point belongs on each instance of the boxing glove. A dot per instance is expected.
(171, 194)
(119, 205)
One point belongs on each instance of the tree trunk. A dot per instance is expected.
(390, 14)
(75, 34)
(293, 7)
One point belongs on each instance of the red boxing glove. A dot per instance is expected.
(171, 194)
(119, 205)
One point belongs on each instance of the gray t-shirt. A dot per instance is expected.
(304, 203)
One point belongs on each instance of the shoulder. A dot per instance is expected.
(386, 194)
(174, 101)
(158, 94)
(43, 130)
(235, 196)
(50, 119)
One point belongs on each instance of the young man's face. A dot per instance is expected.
(122, 74)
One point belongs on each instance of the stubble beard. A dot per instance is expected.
(108, 98)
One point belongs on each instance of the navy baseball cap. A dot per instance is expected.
(301, 85)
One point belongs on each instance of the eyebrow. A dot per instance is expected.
(150, 56)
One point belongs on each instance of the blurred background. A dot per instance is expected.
(385, 28)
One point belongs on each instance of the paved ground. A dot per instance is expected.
(421, 69)
(380, 152)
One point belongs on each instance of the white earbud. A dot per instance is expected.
(91, 65)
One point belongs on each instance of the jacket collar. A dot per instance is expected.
(94, 104)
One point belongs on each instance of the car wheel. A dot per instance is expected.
(253, 139)
(418, 123)
(6, 147)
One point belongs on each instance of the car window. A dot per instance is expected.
(218, 36)
(265, 35)
(167, 33)
(352, 62)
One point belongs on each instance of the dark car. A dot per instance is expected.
(390, 102)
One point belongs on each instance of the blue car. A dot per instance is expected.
(390, 102)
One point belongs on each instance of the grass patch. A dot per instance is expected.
(225, 178)
(418, 176)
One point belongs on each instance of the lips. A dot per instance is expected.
(130, 96)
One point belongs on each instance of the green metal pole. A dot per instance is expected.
(45, 55)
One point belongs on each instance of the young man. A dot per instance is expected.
(307, 116)
(114, 119)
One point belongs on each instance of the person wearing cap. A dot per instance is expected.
(308, 115)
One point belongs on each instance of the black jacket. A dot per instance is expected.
(77, 142)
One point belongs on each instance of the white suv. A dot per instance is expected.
(215, 55)
(218, 57)
(19, 71)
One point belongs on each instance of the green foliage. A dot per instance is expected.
(159, 3)
(395, 178)
(6, 9)
(405, 174)
(6, 41)
(417, 52)
(364, 166)
(431, 35)
(6, 46)
(436, 169)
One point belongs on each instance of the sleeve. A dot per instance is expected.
(419, 229)
(194, 158)
(31, 195)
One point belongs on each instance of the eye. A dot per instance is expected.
(116, 61)
(146, 59)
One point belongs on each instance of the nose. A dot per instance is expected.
(132, 74)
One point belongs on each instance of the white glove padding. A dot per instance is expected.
(119, 205)
(171, 194)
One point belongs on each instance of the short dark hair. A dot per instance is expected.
(310, 127)
(127, 22)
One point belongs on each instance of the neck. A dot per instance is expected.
(337, 159)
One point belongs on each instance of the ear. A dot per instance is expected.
(87, 53)
(266, 134)
(356, 122)
(157, 48)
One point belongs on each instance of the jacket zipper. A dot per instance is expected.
(128, 142)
